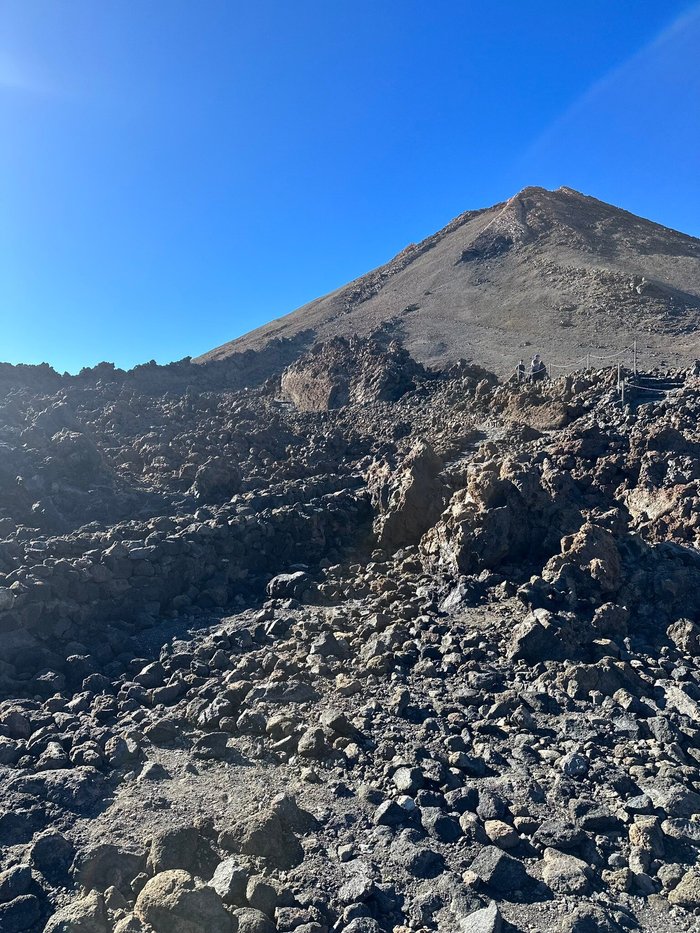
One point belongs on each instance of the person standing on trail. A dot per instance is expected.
(520, 370)
(537, 368)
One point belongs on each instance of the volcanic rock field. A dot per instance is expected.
(335, 643)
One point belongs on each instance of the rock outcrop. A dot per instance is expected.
(343, 372)
(409, 499)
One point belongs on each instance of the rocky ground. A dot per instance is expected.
(363, 647)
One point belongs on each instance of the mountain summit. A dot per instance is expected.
(558, 271)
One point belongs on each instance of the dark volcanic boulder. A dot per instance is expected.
(288, 585)
(75, 788)
(74, 456)
(499, 871)
(216, 480)
(264, 835)
(104, 865)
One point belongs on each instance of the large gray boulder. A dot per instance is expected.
(173, 902)
(264, 835)
(85, 915)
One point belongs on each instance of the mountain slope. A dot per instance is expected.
(553, 270)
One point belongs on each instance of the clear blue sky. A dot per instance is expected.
(174, 173)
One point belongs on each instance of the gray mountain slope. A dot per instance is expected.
(555, 271)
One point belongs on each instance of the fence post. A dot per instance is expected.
(634, 364)
(618, 375)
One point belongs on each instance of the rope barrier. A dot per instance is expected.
(623, 385)
(585, 360)
(633, 385)
(612, 356)
(568, 365)
(656, 390)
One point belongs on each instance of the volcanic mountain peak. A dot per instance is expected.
(538, 212)
(557, 270)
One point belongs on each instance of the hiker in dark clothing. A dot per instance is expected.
(537, 369)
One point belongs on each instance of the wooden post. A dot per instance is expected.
(634, 363)
(618, 375)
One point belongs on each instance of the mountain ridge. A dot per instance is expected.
(559, 270)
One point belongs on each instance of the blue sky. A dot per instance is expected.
(173, 174)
